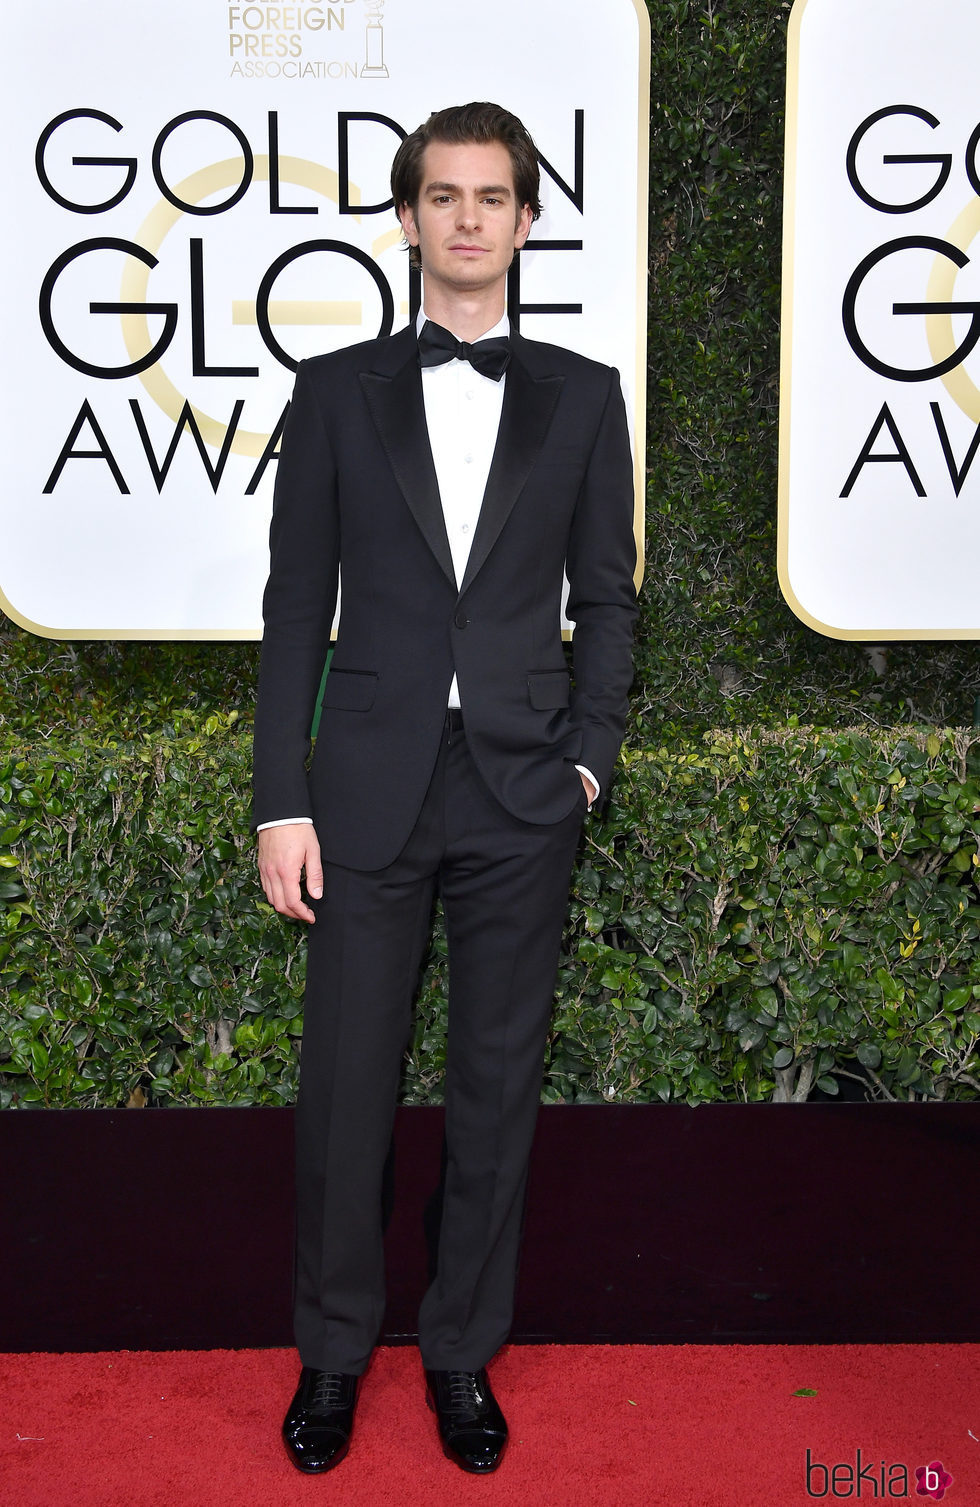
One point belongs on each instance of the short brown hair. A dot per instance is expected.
(458, 126)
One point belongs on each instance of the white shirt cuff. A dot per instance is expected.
(591, 777)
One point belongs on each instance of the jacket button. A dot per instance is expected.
(461, 620)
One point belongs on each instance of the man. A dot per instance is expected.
(448, 475)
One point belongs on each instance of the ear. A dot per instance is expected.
(409, 227)
(523, 227)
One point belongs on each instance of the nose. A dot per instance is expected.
(468, 212)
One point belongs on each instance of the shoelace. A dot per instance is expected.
(464, 1392)
(328, 1391)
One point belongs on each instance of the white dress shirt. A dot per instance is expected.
(462, 415)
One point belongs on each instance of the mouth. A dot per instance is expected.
(469, 250)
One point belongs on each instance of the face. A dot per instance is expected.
(467, 223)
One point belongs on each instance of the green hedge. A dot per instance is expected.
(756, 917)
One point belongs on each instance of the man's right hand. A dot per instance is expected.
(284, 852)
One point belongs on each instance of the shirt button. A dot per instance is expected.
(468, 459)
(466, 528)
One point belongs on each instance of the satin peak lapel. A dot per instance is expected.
(529, 403)
(395, 403)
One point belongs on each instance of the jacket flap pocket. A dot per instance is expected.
(548, 689)
(350, 690)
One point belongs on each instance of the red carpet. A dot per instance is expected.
(689, 1426)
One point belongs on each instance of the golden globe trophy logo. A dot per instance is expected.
(202, 201)
(879, 522)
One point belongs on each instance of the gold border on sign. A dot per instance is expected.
(940, 333)
(642, 289)
(323, 180)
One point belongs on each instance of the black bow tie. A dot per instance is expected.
(489, 357)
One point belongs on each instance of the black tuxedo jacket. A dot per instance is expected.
(356, 499)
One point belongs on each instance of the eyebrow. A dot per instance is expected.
(500, 189)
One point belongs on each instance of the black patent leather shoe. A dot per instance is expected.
(317, 1428)
(471, 1426)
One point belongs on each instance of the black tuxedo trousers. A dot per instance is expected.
(504, 889)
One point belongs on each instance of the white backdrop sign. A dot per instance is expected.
(880, 409)
(197, 199)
